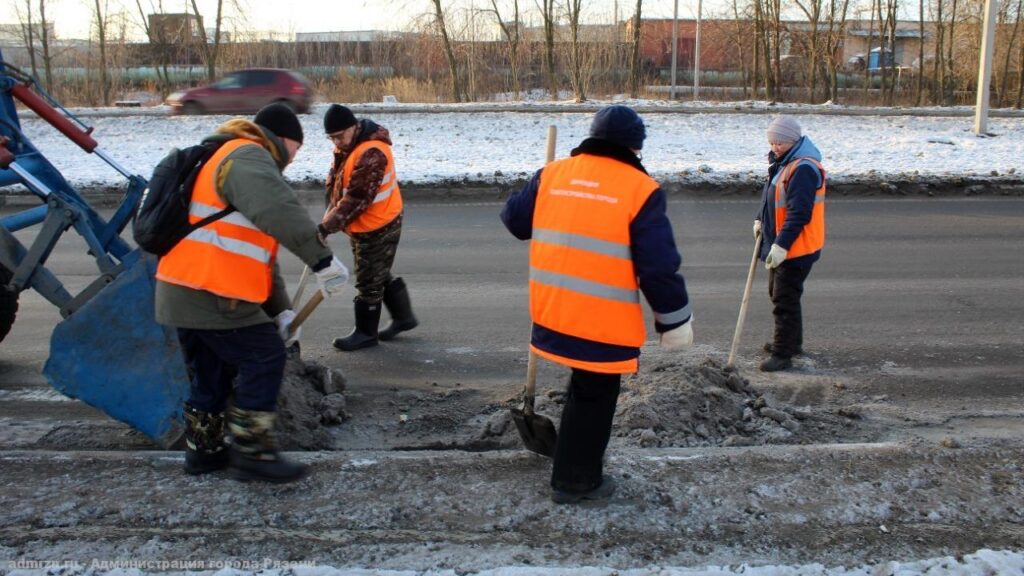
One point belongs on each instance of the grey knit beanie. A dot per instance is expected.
(784, 130)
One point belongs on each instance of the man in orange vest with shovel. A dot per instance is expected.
(599, 236)
(221, 288)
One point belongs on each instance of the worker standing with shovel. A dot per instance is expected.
(599, 235)
(221, 288)
(792, 227)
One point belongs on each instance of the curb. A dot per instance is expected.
(310, 192)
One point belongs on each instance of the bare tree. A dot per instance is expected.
(940, 66)
(738, 35)
(28, 33)
(1009, 53)
(512, 41)
(575, 58)
(1020, 74)
(867, 56)
(951, 73)
(547, 12)
(836, 31)
(158, 41)
(773, 53)
(634, 59)
(101, 32)
(920, 55)
(208, 50)
(44, 38)
(812, 9)
(449, 53)
(892, 13)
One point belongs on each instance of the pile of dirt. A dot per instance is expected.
(685, 405)
(310, 401)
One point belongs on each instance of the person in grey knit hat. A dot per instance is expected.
(791, 229)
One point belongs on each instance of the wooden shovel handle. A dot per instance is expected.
(743, 305)
(314, 301)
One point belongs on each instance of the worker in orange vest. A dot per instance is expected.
(365, 202)
(221, 288)
(792, 229)
(599, 236)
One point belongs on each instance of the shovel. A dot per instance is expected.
(743, 305)
(538, 432)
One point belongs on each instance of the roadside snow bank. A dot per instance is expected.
(508, 147)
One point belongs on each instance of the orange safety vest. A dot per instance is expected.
(387, 203)
(582, 279)
(812, 237)
(229, 257)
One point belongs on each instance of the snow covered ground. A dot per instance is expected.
(502, 147)
(981, 563)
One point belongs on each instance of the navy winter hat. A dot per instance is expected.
(280, 120)
(619, 124)
(338, 118)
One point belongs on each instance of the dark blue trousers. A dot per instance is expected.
(584, 431)
(247, 363)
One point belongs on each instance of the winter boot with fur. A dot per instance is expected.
(253, 451)
(365, 333)
(205, 449)
(396, 298)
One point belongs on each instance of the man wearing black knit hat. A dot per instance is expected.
(220, 287)
(364, 201)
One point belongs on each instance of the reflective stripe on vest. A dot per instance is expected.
(582, 279)
(812, 237)
(230, 257)
(387, 202)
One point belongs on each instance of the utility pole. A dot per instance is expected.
(988, 39)
(696, 54)
(675, 48)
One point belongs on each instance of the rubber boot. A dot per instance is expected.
(364, 334)
(396, 298)
(253, 452)
(205, 448)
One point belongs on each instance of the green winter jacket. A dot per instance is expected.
(253, 184)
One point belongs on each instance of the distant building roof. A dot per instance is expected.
(347, 36)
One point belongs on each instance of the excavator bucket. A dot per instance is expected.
(112, 355)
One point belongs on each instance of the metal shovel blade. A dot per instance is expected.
(538, 432)
(112, 355)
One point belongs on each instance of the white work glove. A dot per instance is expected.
(284, 322)
(678, 338)
(757, 228)
(776, 256)
(332, 279)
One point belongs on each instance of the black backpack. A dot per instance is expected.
(161, 220)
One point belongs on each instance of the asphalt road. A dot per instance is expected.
(915, 310)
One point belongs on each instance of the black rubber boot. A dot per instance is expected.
(365, 333)
(205, 449)
(769, 347)
(253, 452)
(396, 298)
(776, 363)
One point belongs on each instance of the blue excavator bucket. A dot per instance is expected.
(108, 351)
(112, 355)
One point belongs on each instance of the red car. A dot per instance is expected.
(245, 92)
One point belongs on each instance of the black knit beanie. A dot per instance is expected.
(280, 120)
(338, 118)
(619, 124)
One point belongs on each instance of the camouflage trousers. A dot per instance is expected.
(374, 253)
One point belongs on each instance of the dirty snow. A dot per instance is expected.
(502, 147)
(981, 563)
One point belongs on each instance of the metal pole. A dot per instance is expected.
(675, 48)
(988, 40)
(696, 54)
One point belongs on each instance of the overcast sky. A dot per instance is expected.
(72, 17)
